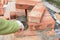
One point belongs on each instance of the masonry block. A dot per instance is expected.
(5, 1)
(1, 5)
(1, 11)
(40, 19)
(18, 6)
(36, 14)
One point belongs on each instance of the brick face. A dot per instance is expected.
(2, 1)
(1, 5)
(1, 11)
(39, 18)
(26, 3)
(36, 14)
(46, 21)
(5, 1)
(18, 6)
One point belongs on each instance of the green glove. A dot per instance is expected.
(8, 26)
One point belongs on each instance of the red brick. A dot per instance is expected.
(1, 5)
(20, 12)
(1, 11)
(36, 13)
(47, 13)
(26, 3)
(42, 25)
(18, 6)
(33, 19)
(46, 21)
(5, 1)
(2, 1)
(36, 26)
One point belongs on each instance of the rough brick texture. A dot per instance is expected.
(40, 18)
(1, 11)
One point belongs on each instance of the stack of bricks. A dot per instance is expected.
(47, 21)
(40, 17)
(2, 3)
(1, 7)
